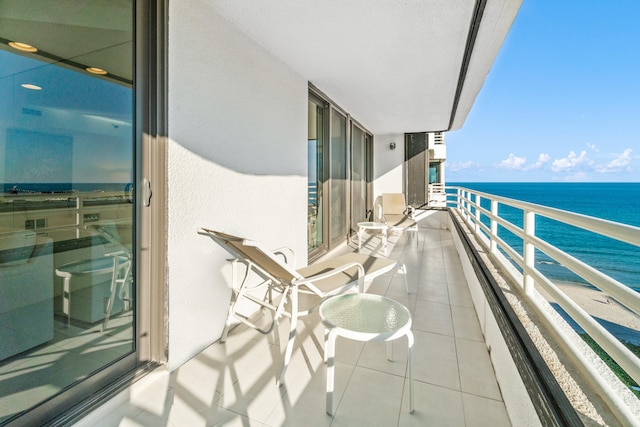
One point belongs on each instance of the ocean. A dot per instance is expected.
(63, 187)
(619, 202)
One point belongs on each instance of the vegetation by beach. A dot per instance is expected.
(620, 373)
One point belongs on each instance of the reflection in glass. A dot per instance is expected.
(316, 176)
(66, 199)
(358, 177)
(434, 172)
(338, 181)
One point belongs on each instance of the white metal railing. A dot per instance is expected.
(437, 195)
(484, 223)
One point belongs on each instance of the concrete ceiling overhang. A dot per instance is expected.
(396, 66)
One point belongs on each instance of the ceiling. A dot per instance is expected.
(395, 65)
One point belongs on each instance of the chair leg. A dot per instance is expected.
(329, 354)
(112, 296)
(402, 269)
(410, 369)
(292, 333)
(227, 323)
(110, 301)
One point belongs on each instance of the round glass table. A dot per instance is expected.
(364, 317)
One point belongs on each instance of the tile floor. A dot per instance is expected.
(233, 384)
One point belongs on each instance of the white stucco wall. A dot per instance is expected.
(388, 164)
(237, 158)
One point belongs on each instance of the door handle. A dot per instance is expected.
(146, 192)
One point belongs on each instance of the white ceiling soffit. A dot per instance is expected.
(396, 66)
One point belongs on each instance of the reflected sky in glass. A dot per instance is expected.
(92, 114)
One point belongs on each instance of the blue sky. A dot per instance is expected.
(562, 101)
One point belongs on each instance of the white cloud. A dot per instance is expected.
(592, 147)
(512, 162)
(570, 162)
(542, 159)
(457, 166)
(619, 164)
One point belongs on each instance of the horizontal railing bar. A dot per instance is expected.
(621, 354)
(615, 289)
(623, 232)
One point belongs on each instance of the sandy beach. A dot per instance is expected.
(616, 318)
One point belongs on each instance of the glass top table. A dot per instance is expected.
(364, 317)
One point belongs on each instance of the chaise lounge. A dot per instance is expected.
(321, 280)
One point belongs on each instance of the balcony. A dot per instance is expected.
(464, 369)
(234, 383)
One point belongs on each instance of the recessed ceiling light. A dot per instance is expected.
(23, 47)
(96, 70)
(30, 86)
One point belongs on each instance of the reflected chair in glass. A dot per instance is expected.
(277, 271)
(121, 280)
(118, 267)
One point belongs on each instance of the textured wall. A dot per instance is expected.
(237, 163)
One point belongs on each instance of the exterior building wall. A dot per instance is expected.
(237, 157)
(388, 164)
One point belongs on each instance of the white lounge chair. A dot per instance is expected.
(397, 214)
(321, 279)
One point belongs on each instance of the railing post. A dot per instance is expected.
(529, 251)
(493, 246)
(79, 216)
(477, 227)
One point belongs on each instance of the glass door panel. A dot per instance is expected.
(66, 199)
(315, 212)
(338, 179)
(358, 177)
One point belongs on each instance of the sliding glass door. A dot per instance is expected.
(338, 179)
(361, 149)
(340, 173)
(315, 155)
(67, 167)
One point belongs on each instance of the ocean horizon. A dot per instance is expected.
(62, 187)
(618, 202)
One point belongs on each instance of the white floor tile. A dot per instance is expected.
(434, 406)
(466, 324)
(476, 371)
(480, 411)
(436, 361)
(234, 384)
(433, 317)
(372, 398)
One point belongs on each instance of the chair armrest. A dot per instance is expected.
(120, 254)
(309, 280)
(411, 212)
(282, 252)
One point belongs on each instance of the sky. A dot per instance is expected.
(561, 102)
